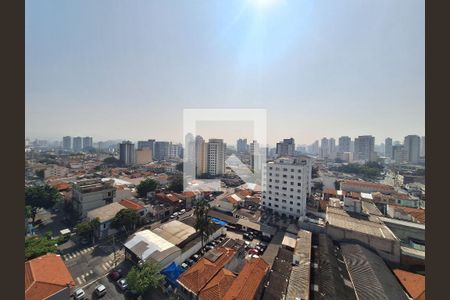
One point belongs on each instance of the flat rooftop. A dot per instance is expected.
(174, 231)
(105, 213)
(368, 225)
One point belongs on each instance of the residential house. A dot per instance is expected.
(105, 215)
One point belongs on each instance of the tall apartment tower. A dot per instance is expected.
(412, 148)
(77, 144)
(241, 146)
(399, 154)
(200, 156)
(332, 146)
(287, 185)
(67, 143)
(344, 144)
(315, 148)
(127, 153)
(255, 156)
(388, 147)
(162, 150)
(422, 146)
(324, 148)
(365, 148)
(286, 147)
(215, 157)
(145, 144)
(87, 142)
(175, 150)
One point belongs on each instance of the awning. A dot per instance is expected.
(219, 222)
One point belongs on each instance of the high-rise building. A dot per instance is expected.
(145, 144)
(87, 142)
(175, 150)
(412, 148)
(388, 147)
(255, 157)
(399, 154)
(286, 147)
(127, 153)
(315, 148)
(161, 150)
(422, 146)
(332, 147)
(344, 144)
(200, 156)
(144, 156)
(77, 144)
(67, 143)
(287, 185)
(365, 148)
(215, 157)
(242, 146)
(324, 148)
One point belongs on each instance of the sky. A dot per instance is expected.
(127, 69)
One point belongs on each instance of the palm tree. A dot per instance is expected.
(203, 221)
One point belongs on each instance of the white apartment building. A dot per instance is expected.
(90, 194)
(200, 156)
(287, 185)
(215, 157)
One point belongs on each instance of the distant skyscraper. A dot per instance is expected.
(332, 145)
(175, 150)
(344, 144)
(365, 148)
(145, 144)
(286, 147)
(161, 150)
(242, 146)
(255, 157)
(388, 147)
(127, 153)
(87, 142)
(67, 143)
(412, 148)
(399, 154)
(200, 156)
(422, 146)
(324, 148)
(144, 155)
(215, 157)
(77, 144)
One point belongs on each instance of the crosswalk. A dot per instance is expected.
(84, 277)
(108, 265)
(74, 254)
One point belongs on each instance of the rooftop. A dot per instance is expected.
(413, 283)
(245, 286)
(106, 212)
(198, 276)
(299, 281)
(131, 204)
(371, 225)
(277, 283)
(257, 226)
(370, 275)
(417, 213)
(174, 231)
(218, 285)
(145, 244)
(45, 276)
(367, 185)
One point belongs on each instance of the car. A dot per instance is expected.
(79, 294)
(253, 251)
(122, 284)
(184, 266)
(209, 247)
(175, 214)
(248, 236)
(114, 275)
(213, 243)
(195, 257)
(190, 262)
(182, 211)
(255, 256)
(100, 290)
(262, 244)
(247, 244)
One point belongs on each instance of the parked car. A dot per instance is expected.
(122, 284)
(248, 236)
(115, 274)
(184, 266)
(100, 290)
(195, 257)
(79, 294)
(190, 262)
(182, 211)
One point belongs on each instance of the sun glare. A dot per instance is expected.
(263, 4)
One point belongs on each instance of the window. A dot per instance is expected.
(283, 207)
(283, 201)
(277, 187)
(292, 189)
(276, 199)
(284, 182)
(299, 191)
(276, 205)
(290, 196)
(291, 202)
(285, 169)
(270, 198)
(270, 168)
(298, 210)
(270, 180)
(298, 203)
(290, 209)
(284, 189)
(264, 203)
(298, 197)
(292, 183)
(292, 170)
(299, 170)
(299, 177)
(270, 204)
(284, 176)
(277, 169)
(292, 176)
(284, 195)
(299, 184)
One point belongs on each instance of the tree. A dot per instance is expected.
(203, 221)
(86, 229)
(145, 186)
(39, 245)
(41, 197)
(141, 279)
(337, 185)
(177, 184)
(127, 219)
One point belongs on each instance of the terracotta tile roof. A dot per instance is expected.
(413, 283)
(366, 184)
(218, 285)
(131, 204)
(417, 213)
(45, 276)
(248, 281)
(244, 193)
(197, 276)
(171, 198)
(330, 191)
(61, 186)
(231, 200)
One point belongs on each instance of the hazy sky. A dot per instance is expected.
(127, 69)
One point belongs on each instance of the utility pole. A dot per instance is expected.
(114, 250)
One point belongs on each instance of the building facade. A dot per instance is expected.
(90, 194)
(77, 144)
(344, 144)
(286, 147)
(200, 156)
(87, 142)
(365, 148)
(67, 143)
(215, 157)
(412, 148)
(127, 153)
(388, 147)
(162, 150)
(242, 146)
(287, 185)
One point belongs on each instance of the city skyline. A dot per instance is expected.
(127, 71)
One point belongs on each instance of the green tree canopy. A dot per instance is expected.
(86, 229)
(127, 219)
(179, 167)
(142, 279)
(145, 186)
(39, 245)
(41, 197)
(177, 184)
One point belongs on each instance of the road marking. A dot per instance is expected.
(105, 268)
(79, 280)
(82, 276)
(87, 274)
(84, 251)
(91, 272)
